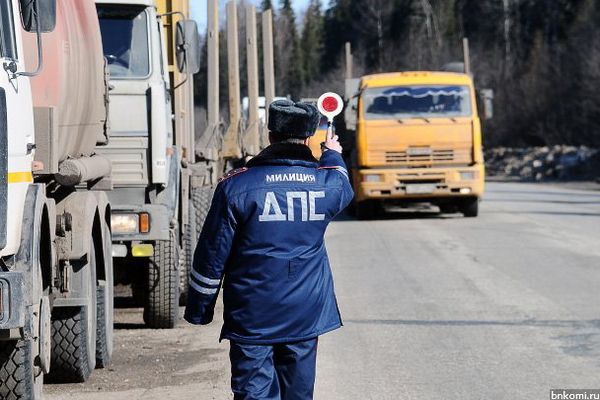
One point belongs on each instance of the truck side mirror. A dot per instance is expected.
(487, 97)
(187, 42)
(46, 15)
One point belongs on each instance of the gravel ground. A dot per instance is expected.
(155, 363)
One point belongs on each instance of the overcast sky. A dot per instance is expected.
(199, 9)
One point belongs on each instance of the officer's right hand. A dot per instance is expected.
(331, 142)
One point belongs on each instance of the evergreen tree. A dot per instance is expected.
(265, 5)
(540, 57)
(312, 41)
(290, 74)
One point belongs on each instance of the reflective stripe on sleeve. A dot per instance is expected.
(341, 170)
(344, 171)
(201, 289)
(205, 280)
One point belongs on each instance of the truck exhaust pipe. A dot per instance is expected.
(74, 171)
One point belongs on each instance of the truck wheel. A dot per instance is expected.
(105, 306)
(202, 199)
(199, 206)
(20, 378)
(162, 306)
(73, 355)
(190, 238)
(470, 208)
(104, 328)
(24, 362)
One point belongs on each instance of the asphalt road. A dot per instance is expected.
(503, 306)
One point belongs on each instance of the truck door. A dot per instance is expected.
(8, 54)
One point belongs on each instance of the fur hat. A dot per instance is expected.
(287, 118)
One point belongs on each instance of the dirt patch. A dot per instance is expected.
(550, 164)
(154, 358)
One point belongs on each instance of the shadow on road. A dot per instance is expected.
(129, 326)
(543, 193)
(400, 214)
(594, 323)
(540, 201)
(578, 214)
(126, 302)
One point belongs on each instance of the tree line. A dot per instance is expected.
(541, 57)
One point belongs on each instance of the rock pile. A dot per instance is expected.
(563, 163)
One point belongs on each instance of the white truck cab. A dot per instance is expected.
(142, 46)
(16, 128)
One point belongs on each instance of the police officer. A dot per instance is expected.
(263, 240)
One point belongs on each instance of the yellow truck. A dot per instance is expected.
(415, 137)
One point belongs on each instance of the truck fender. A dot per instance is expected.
(74, 244)
(78, 211)
(169, 197)
(36, 241)
(103, 237)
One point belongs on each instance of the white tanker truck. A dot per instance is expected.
(56, 277)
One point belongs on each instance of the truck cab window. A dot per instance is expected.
(123, 29)
(407, 102)
(8, 47)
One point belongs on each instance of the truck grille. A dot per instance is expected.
(402, 157)
(129, 157)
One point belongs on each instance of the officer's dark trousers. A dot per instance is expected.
(284, 371)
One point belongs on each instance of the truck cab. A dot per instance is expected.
(417, 139)
(16, 128)
(151, 54)
(56, 281)
(139, 83)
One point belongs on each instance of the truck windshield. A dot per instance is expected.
(123, 29)
(7, 36)
(423, 101)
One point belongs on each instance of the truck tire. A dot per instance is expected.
(23, 362)
(105, 306)
(190, 238)
(71, 360)
(202, 199)
(104, 327)
(199, 206)
(73, 355)
(20, 379)
(161, 309)
(470, 208)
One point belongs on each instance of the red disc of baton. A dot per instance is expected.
(330, 105)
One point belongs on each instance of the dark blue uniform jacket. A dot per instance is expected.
(263, 240)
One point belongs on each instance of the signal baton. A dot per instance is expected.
(330, 105)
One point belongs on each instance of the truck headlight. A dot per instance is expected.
(372, 178)
(468, 176)
(130, 223)
(125, 223)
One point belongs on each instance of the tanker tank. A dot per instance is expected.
(71, 83)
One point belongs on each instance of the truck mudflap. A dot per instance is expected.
(12, 303)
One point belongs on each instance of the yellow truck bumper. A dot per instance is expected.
(420, 184)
